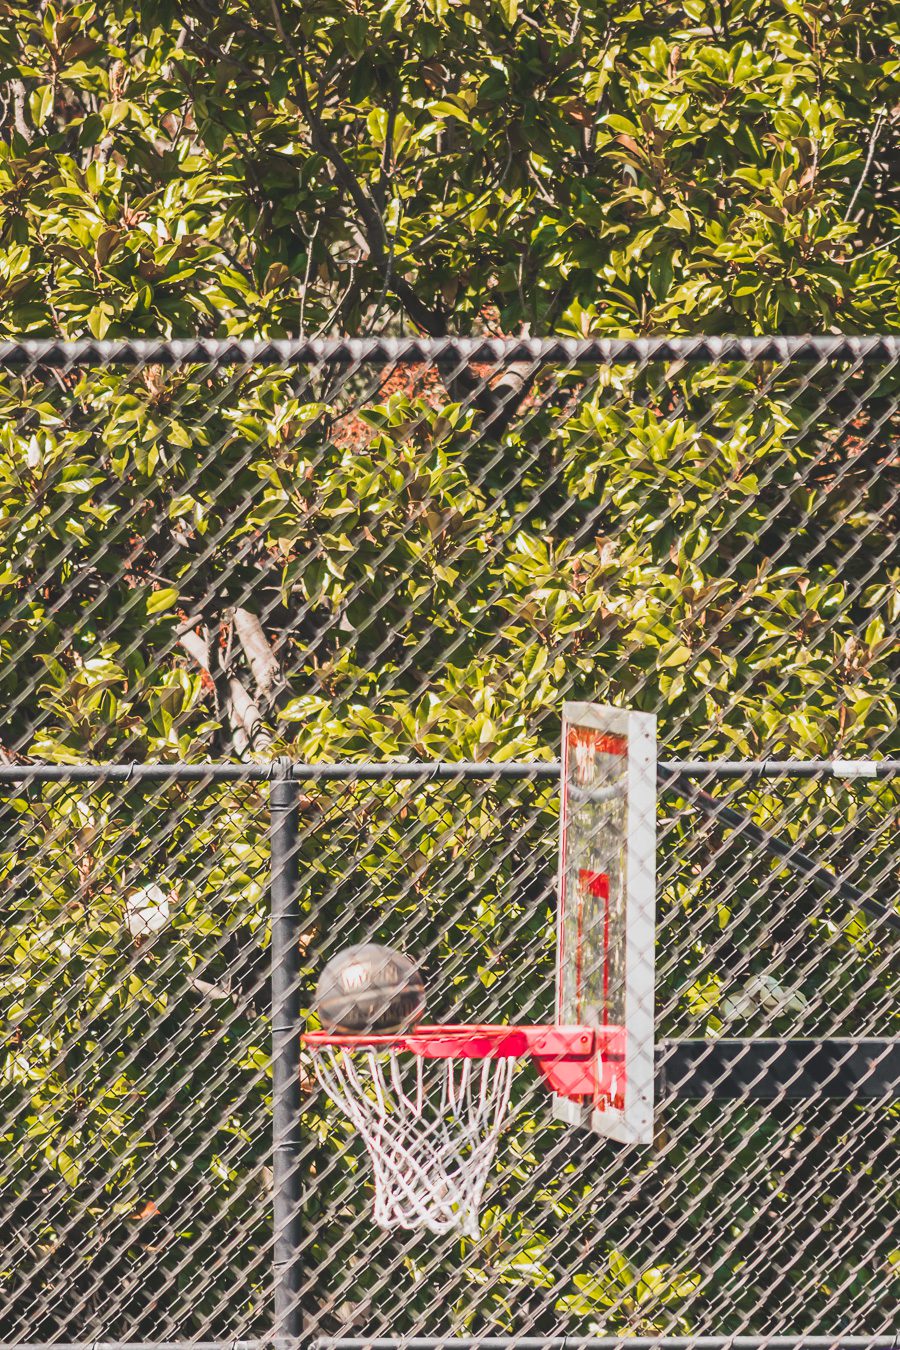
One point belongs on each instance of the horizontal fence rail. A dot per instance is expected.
(285, 631)
(377, 351)
(669, 770)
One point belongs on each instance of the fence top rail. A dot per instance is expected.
(669, 771)
(51, 352)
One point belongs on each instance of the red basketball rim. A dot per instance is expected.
(468, 1041)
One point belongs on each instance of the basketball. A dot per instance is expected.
(369, 988)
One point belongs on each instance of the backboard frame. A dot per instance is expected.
(633, 1122)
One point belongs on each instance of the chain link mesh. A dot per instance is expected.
(357, 552)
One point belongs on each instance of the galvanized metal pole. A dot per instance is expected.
(286, 1177)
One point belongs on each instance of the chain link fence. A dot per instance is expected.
(350, 555)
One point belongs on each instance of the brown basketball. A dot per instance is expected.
(369, 988)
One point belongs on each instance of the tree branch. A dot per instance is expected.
(196, 647)
(873, 141)
(462, 384)
(248, 729)
(263, 663)
(19, 103)
(374, 225)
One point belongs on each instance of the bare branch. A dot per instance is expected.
(196, 647)
(19, 103)
(244, 717)
(387, 156)
(263, 662)
(509, 392)
(873, 140)
(246, 721)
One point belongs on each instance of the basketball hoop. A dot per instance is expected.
(430, 1105)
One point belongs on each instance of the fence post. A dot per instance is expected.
(287, 1181)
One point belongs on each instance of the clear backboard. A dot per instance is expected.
(607, 901)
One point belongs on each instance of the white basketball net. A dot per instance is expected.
(431, 1128)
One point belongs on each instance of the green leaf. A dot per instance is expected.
(77, 486)
(875, 630)
(444, 108)
(621, 1269)
(99, 319)
(661, 273)
(161, 600)
(40, 105)
(678, 656)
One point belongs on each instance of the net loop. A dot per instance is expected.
(431, 1128)
(430, 1104)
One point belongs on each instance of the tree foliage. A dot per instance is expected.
(421, 563)
(284, 168)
